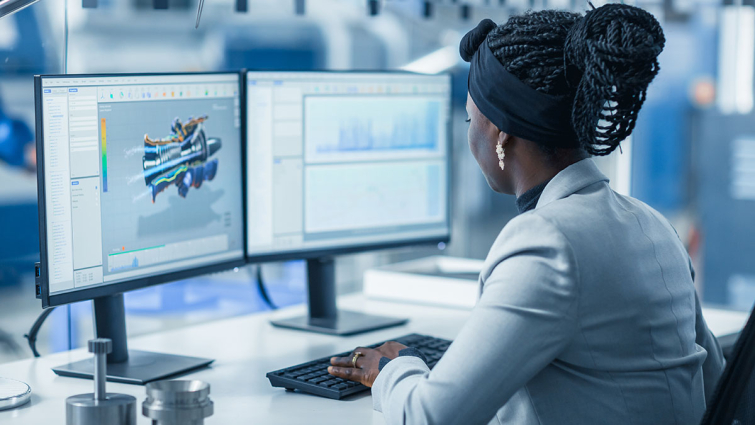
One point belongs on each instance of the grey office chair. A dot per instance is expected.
(733, 402)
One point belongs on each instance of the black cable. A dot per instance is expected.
(6, 340)
(263, 289)
(32, 335)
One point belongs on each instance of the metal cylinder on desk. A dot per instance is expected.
(178, 402)
(100, 407)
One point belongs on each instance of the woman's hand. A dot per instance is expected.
(367, 364)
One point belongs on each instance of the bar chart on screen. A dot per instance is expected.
(358, 128)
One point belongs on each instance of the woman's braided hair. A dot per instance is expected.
(606, 60)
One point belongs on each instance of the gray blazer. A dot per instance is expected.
(588, 315)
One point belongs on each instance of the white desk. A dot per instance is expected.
(245, 348)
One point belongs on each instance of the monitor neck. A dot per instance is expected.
(110, 322)
(323, 316)
(322, 289)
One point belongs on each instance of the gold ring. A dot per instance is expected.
(356, 356)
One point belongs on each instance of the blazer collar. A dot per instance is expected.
(570, 180)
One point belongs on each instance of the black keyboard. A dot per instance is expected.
(313, 377)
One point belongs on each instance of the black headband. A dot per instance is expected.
(512, 106)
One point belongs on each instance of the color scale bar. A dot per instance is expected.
(136, 250)
(104, 155)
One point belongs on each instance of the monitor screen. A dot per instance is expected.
(142, 176)
(344, 160)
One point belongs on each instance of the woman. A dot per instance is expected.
(588, 313)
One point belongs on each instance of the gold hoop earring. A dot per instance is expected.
(499, 149)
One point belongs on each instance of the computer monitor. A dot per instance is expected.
(140, 183)
(342, 162)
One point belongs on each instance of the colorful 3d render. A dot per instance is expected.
(180, 158)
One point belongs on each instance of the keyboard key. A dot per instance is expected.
(318, 380)
(329, 383)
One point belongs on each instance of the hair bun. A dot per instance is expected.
(474, 38)
(616, 48)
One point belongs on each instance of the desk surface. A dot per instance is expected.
(245, 348)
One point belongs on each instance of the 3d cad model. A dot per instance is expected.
(180, 158)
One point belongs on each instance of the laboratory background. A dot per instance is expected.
(691, 156)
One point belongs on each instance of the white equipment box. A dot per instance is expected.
(437, 280)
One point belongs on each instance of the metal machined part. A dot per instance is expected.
(101, 347)
(178, 402)
(100, 407)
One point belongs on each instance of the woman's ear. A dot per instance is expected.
(503, 139)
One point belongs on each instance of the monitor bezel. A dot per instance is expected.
(305, 254)
(88, 293)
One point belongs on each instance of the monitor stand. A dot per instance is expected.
(324, 316)
(124, 365)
